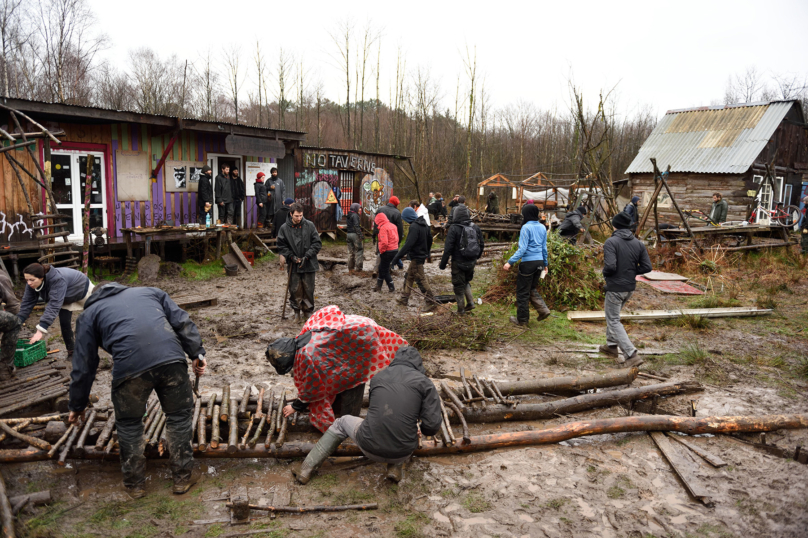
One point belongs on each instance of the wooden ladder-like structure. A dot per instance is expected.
(59, 254)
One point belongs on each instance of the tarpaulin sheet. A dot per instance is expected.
(344, 351)
(671, 286)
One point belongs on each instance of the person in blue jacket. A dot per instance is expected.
(533, 255)
(64, 292)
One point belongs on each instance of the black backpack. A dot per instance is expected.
(469, 243)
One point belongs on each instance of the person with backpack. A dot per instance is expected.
(533, 255)
(571, 226)
(417, 245)
(464, 243)
(633, 212)
(624, 257)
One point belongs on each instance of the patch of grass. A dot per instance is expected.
(591, 469)
(45, 524)
(163, 507)
(694, 321)
(214, 531)
(411, 527)
(709, 530)
(448, 492)
(112, 511)
(324, 482)
(476, 503)
(802, 367)
(353, 496)
(179, 529)
(556, 504)
(615, 492)
(713, 300)
(766, 301)
(193, 270)
(693, 353)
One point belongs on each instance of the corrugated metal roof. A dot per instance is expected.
(711, 140)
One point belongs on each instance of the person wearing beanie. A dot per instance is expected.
(571, 226)
(633, 212)
(280, 216)
(624, 257)
(390, 210)
(356, 250)
(464, 244)
(417, 247)
(204, 196)
(532, 255)
(276, 194)
(261, 200)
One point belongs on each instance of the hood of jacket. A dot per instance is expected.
(409, 356)
(292, 224)
(381, 219)
(461, 214)
(102, 292)
(626, 234)
(421, 220)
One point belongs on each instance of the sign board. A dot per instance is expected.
(254, 147)
(335, 161)
(182, 176)
(132, 175)
(251, 170)
(331, 198)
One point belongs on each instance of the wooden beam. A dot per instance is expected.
(682, 468)
(165, 153)
(629, 315)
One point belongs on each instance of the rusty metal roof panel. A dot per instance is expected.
(711, 140)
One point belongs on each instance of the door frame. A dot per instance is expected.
(78, 205)
(213, 162)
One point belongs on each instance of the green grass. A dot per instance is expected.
(353, 496)
(694, 321)
(615, 492)
(713, 300)
(693, 353)
(193, 270)
(476, 503)
(214, 531)
(556, 504)
(411, 527)
(766, 301)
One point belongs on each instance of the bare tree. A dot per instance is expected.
(342, 39)
(113, 89)
(471, 72)
(232, 58)
(369, 38)
(209, 88)
(285, 63)
(377, 105)
(158, 85)
(744, 88)
(260, 71)
(12, 34)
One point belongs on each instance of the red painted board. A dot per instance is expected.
(671, 286)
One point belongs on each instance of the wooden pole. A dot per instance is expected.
(214, 428)
(5, 511)
(232, 444)
(33, 441)
(88, 184)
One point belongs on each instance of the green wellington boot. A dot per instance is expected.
(326, 446)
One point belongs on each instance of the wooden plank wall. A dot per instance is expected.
(15, 220)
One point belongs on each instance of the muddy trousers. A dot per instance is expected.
(10, 328)
(129, 397)
(65, 325)
(615, 332)
(384, 268)
(526, 292)
(226, 213)
(356, 252)
(301, 292)
(347, 426)
(415, 275)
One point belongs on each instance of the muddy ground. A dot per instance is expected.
(605, 485)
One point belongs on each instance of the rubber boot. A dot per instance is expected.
(378, 287)
(297, 316)
(395, 472)
(430, 304)
(391, 287)
(469, 299)
(515, 321)
(326, 446)
(461, 299)
(538, 303)
(404, 300)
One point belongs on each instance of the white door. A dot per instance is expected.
(214, 161)
(69, 169)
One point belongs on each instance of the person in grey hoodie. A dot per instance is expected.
(624, 257)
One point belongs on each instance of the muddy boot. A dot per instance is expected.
(182, 486)
(517, 322)
(136, 492)
(305, 317)
(461, 300)
(608, 350)
(538, 303)
(391, 287)
(326, 446)
(395, 472)
(632, 362)
(378, 287)
(297, 316)
(404, 300)
(430, 304)
(469, 299)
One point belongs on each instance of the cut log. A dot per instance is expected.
(567, 383)
(40, 497)
(86, 431)
(33, 441)
(195, 301)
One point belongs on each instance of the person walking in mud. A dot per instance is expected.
(464, 244)
(298, 244)
(356, 248)
(533, 255)
(120, 320)
(9, 325)
(624, 257)
(417, 246)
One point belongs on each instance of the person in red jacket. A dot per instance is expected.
(388, 248)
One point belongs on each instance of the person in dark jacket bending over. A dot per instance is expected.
(624, 257)
(281, 215)
(356, 249)
(465, 251)
(417, 246)
(571, 226)
(9, 325)
(224, 195)
(400, 396)
(204, 196)
(261, 201)
(64, 290)
(239, 194)
(633, 212)
(298, 243)
(148, 336)
(533, 255)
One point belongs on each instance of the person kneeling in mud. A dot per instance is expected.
(385, 436)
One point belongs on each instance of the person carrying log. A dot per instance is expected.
(63, 290)
(400, 396)
(624, 257)
(333, 353)
(298, 243)
(148, 336)
(9, 325)
(417, 246)
(533, 255)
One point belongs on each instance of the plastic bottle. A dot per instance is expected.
(207, 220)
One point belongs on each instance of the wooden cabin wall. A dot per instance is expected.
(15, 218)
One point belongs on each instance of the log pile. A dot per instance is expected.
(32, 385)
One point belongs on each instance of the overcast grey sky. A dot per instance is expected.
(666, 54)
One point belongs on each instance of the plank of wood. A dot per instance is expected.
(712, 459)
(255, 240)
(659, 275)
(682, 468)
(326, 259)
(628, 315)
(195, 301)
(240, 256)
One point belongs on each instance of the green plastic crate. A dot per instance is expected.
(27, 354)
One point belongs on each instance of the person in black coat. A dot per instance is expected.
(437, 208)
(148, 336)
(239, 194)
(356, 248)
(261, 200)
(400, 396)
(417, 246)
(204, 196)
(223, 192)
(280, 217)
(462, 262)
(298, 244)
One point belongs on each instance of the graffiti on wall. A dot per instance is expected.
(376, 190)
(19, 227)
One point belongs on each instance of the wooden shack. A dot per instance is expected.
(724, 149)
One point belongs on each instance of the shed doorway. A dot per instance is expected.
(69, 170)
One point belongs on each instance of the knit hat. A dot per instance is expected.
(582, 209)
(394, 200)
(409, 215)
(355, 207)
(289, 201)
(621, 221)
(529, 202)
(531, 212)
(635, 199)
(206, 169)
(260, 177)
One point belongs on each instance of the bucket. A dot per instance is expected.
(231, 270)
(250, 257)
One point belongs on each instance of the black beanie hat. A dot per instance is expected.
(582, 209)
(206, 169)
(531, 212)
(621, 221)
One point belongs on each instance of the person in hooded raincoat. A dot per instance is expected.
(298, 244)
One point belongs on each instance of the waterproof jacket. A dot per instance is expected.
(277, 190)
(354, 224)
(223, 190)
(454, 215)
(532, 243)
(572, 223)
(394, 216)
(436, 208)
(205, 192)
(388, 233)
(718, 212)
(7, 294)
(141, 328)
(237, 189)
(279, 219)
(453, 241)
(631, 211)
(261, 193)
(300, 241)
(624, 257)
(418, 242)
(400, 395)
(493, 204)
(61, 286)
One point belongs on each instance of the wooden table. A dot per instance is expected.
(150, 233)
